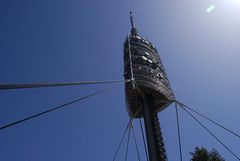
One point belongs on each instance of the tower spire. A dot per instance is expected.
(133, 29)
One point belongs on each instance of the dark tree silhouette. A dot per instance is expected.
(202, 154)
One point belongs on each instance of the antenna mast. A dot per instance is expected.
(134, 29)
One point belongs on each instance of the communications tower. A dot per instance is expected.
(149, 92)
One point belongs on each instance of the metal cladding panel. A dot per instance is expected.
(142, 61)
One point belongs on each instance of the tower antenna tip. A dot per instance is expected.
(133, 30)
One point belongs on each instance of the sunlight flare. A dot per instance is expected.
(210, 8)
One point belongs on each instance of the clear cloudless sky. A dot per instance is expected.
(82, 40)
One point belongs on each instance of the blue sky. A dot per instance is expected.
(58, 41)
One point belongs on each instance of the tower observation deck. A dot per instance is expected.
(143, 64)
(150, 91)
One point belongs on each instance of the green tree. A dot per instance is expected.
(202, 154)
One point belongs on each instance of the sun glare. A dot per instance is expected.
(233, 6)
(229, 6)
(234, 2)
(210, 8)
(237, 1)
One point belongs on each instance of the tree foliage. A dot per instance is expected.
(202, 154)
